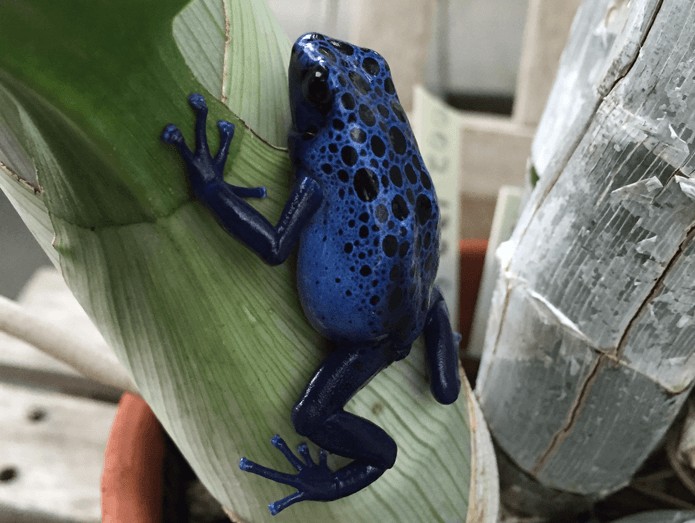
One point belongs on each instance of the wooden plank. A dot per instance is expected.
(505, 217)
(51, 452)
(301, 16)
(436, 127)
(660, 516)
(475, 216)
(589, 354)
(494, 152)
(404, 44)
(20, 255)
(47, 296)
(545, 34)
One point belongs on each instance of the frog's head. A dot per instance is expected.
(330, 80)
(311, 84)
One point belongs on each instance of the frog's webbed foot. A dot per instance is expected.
(203, 169)
(313, 481)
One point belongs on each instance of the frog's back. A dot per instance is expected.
(368, 259)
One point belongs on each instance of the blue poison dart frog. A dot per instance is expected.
(364, 214)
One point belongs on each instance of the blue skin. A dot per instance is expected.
(365, 216)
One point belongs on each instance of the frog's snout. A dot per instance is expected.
(304, 40)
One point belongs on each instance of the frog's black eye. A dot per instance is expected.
(315, 87)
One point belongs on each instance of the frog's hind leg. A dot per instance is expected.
(442, 351)
(319, 416)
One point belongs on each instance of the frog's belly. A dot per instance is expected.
(351, 300)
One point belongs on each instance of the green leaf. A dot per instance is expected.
(215, 339)
(250, 79)
(18, 136)
(533, 176)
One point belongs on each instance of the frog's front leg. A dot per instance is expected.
(320, 416)
(205, 172)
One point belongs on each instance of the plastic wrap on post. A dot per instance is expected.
(589, 348)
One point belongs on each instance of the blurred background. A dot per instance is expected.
(470, 54)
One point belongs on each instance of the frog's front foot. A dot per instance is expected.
(204, 169)
(313, 481)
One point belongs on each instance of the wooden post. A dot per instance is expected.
(403, 44)
(545, 34)
(590, 347)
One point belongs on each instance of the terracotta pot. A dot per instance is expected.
(472, 259)
(132, 482)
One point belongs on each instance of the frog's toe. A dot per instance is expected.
(226, 134)
(226, 128)
(249, 192)
(323, 458)
(280, 444)
(197, 101)
(171, 134)
(259, 470)
(276, 506)
(303, 450)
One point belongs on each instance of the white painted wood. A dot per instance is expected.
(401, 31)
(483, 45)
(60, 342)
(545, 34)
(330, 17)
(494, 152)
(476, 216)
(503, 222)
(436, 127)
(475, 46)
(18, 354)
(660, 516)
(51, 454)
(47, 297)
(589, 352)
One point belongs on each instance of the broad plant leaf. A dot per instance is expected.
(19, 136)
(219, 56)
(215, 340)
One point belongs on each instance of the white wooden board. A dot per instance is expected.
(51, 455)
(545, 34)
(47, 296)
(494, 151)
(506, 214)
(436, 127)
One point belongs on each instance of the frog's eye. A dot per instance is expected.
(315, 86)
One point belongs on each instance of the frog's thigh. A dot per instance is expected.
(319, 414)
(442, 352)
